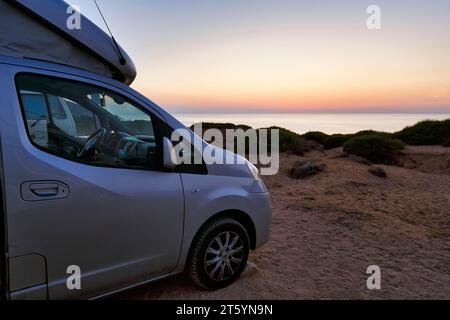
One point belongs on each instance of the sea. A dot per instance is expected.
(329, 123)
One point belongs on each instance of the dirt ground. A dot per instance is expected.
(329, 228)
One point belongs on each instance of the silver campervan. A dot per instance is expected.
(89, 186)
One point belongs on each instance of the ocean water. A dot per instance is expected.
(326, 122)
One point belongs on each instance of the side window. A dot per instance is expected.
(35, 111)
(88, 124)
(35, 105)
(56, 108)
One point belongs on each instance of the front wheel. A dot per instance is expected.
(219, 254)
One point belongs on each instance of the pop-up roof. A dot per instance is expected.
(38, 29)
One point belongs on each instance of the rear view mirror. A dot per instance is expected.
(169, 156)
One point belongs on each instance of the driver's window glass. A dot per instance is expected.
(56, 107)
(35, 111)
(86, 123)
(34, 105)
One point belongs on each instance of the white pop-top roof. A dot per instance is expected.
(39, 29)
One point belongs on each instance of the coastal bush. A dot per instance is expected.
(428, 132)
(376, 148)
(305, 169)
(316, 136)
(371, 132)
(289, 141)
(336, 141)
(222, 127)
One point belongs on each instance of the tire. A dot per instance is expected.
(213, 265)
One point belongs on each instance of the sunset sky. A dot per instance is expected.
(285, 55)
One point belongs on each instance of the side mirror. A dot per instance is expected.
(169, 156)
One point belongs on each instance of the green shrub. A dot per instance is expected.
(305, 169)
(428, 132)
(289, 141)
(336, 141)
(370, 132)
(376, 148)
(316, 136)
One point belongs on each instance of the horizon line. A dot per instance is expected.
(180, 111)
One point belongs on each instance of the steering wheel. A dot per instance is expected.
(91, 142)
(126, 145)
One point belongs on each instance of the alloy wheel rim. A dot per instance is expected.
(224, 256)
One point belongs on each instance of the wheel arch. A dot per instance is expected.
(240, 216)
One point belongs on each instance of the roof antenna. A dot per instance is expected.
(122, 59)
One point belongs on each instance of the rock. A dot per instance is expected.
(302, 169)
(359, 159)
(377, 171)
(250, 269)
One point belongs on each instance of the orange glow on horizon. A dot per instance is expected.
(301, 68)
(346, 99)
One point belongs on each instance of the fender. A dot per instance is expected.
(200, 213)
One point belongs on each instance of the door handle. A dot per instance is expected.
(44, 190)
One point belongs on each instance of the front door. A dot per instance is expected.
(92, 196)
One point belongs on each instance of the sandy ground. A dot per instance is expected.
(329, 228)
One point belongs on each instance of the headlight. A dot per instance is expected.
(254, 171)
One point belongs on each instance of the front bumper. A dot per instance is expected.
(262, 217)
